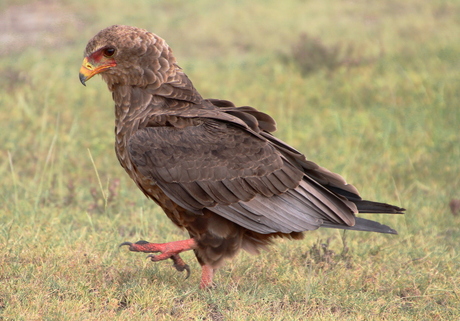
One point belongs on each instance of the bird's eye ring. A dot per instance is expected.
(109, 52)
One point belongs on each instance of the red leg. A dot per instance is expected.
(165, 248)
(168, 250)
(171, 250)
(207, 273)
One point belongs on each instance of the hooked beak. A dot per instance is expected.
(88, 69)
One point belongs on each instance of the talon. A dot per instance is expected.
(181, 268)
(187, 268)
(125, 243)
(136, 247)
(180, 265)
(169, 250)
(151, 256)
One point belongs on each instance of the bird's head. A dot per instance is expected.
(125, 55)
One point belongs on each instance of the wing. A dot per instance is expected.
(264, 125)
(215, 165)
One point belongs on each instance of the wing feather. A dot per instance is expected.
(237, 174)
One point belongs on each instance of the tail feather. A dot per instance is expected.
(376, 207)
(362, 224)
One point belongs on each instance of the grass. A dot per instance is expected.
(390, 126)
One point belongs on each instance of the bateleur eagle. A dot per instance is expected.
(214, 168)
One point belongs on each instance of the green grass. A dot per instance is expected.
(389, 126)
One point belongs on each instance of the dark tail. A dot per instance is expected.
(376, 207)
(367, 206)
(364, 225)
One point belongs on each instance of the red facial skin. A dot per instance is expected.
(96, 63)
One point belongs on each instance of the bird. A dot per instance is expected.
(215, 169)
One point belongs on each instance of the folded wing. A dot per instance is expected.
(237, 174)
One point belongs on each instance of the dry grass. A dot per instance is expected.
(389, 126)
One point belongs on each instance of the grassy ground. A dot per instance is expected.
(386, 117)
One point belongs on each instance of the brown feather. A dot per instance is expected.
(214, 168)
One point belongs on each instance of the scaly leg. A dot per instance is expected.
(171, 251)
(168, 250)
(207, 273)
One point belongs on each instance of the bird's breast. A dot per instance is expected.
(148, 185)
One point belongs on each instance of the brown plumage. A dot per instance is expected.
(215, 169)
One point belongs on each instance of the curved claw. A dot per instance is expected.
(182, 268)
(131, 245)
(170, 250)
(178, 263)
(125, 243)
(186, 268)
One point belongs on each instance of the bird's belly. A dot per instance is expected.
(178, 215)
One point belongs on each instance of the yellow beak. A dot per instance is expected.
(88, 70)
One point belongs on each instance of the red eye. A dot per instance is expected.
(109, 52)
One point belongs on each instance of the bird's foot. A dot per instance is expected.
(207, 273)
(168, 250)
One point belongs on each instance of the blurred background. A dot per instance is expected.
(368, 89)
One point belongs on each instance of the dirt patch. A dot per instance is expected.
(36, 24)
